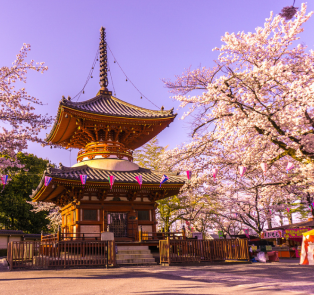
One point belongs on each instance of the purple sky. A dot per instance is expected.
(150, 39)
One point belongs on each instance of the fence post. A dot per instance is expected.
(107, 243)
(168, 249)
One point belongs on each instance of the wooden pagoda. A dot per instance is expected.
(106, 130)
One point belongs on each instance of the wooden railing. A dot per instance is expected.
(141, 236)
(71, 237)
(177, 251)
(50, 238)
(153, 236)
(62, 254)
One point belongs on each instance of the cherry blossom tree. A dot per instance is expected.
(259, 96)
(20, 123)
(256, 105)
(54, 216)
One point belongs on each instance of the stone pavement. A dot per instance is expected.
(285, 277)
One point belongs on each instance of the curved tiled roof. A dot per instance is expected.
(101, 175)
(112, 106)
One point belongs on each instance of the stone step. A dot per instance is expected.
(133, 256)
(134, 252)
(142, 263)
(133, 248)
(136, 261)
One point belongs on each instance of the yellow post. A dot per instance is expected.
(140, 234)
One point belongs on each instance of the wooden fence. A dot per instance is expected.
(153, 236)
(139, 236)
(63, 254)
(187, 251)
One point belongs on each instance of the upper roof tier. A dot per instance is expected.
(103, 118)
(108, 105)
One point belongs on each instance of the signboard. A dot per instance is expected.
(220, 234)
(199, 236)
(295, 232)
(274, 234)
(254, 248)
(269, 248)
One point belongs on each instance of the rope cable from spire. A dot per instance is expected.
(128, 79)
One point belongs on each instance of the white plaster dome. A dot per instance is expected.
(109, 164)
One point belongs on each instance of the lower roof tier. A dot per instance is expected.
(66, 184)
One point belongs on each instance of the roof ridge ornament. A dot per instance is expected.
(103, 62)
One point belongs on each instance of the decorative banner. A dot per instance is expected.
(83, 179)
(295, 232)
(189, 226)
(4, 180)
(215, 171)
(47, 180)
(220, 234)
(242, 170)
(264, 167)
(289, 166)
(246, 232)
(274, 234)
(163, 179)
(139, 180)
(111, 179)
(288, 210)
(189, 174)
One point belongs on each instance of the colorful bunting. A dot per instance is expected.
(242, 170)
(83, 179)
(163, 179)
(264, 167)
(189, 174)
(215, 172)
(189, 226)
(289, 166)
(139, 180)
(47, 180)
(246, 232)
(4, 180)
(111, 179)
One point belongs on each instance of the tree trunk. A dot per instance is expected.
(281, 218)
(290, 218)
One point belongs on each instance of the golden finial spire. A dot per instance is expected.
(103, 60)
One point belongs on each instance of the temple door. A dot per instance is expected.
(133, 225)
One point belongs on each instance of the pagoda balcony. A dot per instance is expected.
(104, 150)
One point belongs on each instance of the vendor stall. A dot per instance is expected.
(307, 250)
(289, 244)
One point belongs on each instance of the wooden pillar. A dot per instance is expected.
(154, 219)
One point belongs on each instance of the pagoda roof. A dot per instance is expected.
(102, 110)
(99, 177)
(109, 105)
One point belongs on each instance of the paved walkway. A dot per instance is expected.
(286, 277)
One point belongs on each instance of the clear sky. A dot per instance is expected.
(150, 39)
